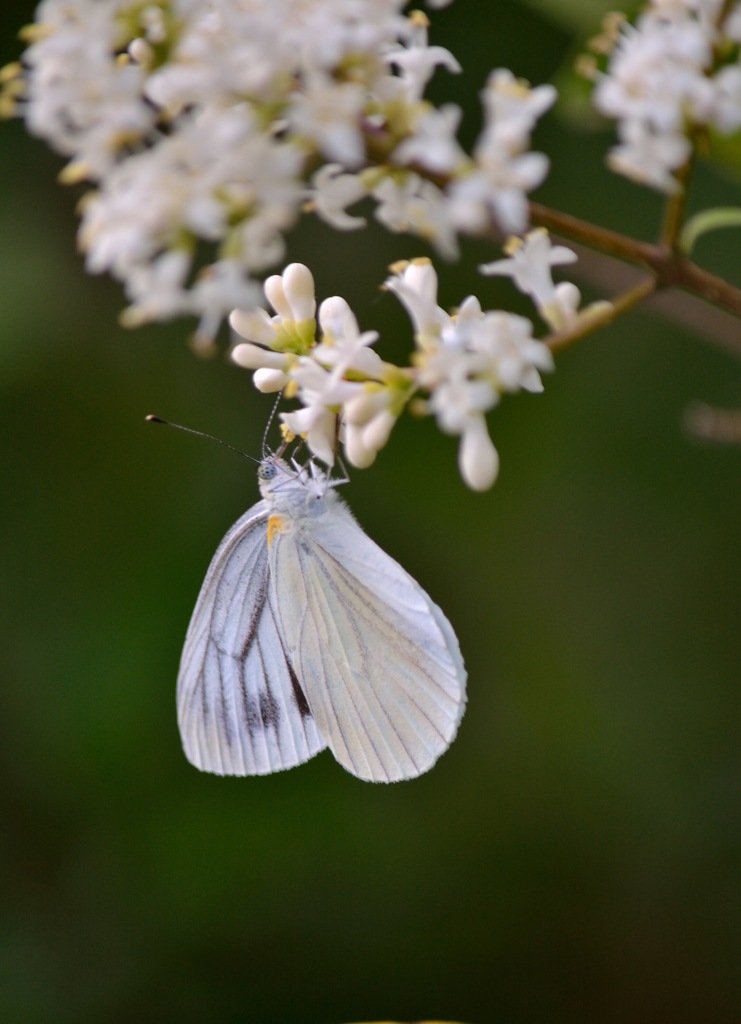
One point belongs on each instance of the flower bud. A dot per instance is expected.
(359, 454)
(478, 460)
(298, 288)
(252, 357)
(276, 296)
(377, 432)
(253, 324)
(269, 381)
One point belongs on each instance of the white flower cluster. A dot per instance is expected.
(206, 127)
(677, 68)
(461, 366)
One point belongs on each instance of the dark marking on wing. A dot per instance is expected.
(252, 715)
(298, 694)
(270, 712)
(258, 609)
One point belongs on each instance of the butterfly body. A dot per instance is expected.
(307, 635)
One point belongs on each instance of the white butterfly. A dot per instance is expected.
(307, 635)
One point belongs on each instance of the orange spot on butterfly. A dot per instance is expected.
(276, 523)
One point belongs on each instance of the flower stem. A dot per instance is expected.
(604, 313)
(676, 205)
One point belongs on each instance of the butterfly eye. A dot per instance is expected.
(266, 471)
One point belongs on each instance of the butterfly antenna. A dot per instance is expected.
(268, 425)
(201, 433)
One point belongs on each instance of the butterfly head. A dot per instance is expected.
(284, 482)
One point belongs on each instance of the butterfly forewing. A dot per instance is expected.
(241, 708)
(378, 660)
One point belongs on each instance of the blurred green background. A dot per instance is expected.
(575, 856)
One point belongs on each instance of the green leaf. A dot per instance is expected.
(708, 220)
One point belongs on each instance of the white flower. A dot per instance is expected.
(343, 346)
(417, 206)
(218, 288)
(509, 357)
(209, 126)
(291, 294)
(272, 341)
(418, 61)
(320, 392)
(647, 156)
(157, 290)
(327, 378)
(368, 422)
(529, 265)
(725, 111)
(566, 305)
(661, 81)
(332, 192)
(654, 72)
(328, 114)
(504, 173)
(497, 187)
(466, 363)
(512, 108)
(415, 285)
(433, 143)
(79, 97)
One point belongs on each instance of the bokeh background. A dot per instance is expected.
(576, 854)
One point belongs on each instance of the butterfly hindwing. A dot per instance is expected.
(378, 660)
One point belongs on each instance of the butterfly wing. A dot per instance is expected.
(241, 709)
(378, 660)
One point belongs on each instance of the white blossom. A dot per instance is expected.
(347, 394)
(496, 189)
(466, 362)
(320, 392)
(415, 285)
(648, 156)
(86, 104)
(328, 114)
(331, 192)
(664, 77)
(207, 127)
(512, 108)
(433, 144)
(504, 172)
(418, 206)
(529, 262)
(417, 60)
